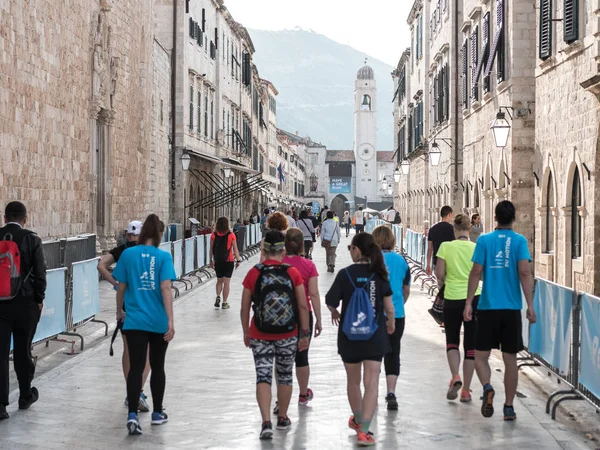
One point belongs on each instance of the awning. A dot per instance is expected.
(225, 162)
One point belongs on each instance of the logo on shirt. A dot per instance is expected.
(359, 319)
(148, 278)
(500, 254)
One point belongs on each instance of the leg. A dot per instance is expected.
(125, 358)
(354, 375)
(157, 353)
(146, 370)
(302, 367)
(511, 377)
(482, 366)
(264, 354)
(452, 322)
(469, 349)
(226, 283)
(371, 382)
(5, 333)
(285, 355)
(392, 359)
(137, 342)
(219, 286)
(23, 332)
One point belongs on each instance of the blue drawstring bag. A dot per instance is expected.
(360, 322)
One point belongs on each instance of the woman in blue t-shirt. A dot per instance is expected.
(399, 274)
(144, 274)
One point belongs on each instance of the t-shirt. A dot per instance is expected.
(390, 215)
(399, 277)
(315, 221)
(263, 223)
(457, 255)
(250, 283)
(306, 268)
(230, 240)
(118, 251)
(307, 228)
(143, 268)
(499, 252)
(359, 218)
(341, 290)
(440, 232)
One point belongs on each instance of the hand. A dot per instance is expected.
(531, 316)
(318, 328)
(335, 317)
(170, 334)
(237, 263)
(303, 344)
(41, 306)
(120, 315)
(212, 264)
(468, 313)
(428, 270)
(247, 339)
(391, 326)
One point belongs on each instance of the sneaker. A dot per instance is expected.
(158, 418)
(304, 399)
(353, 424)
(276, 409)
(465, 396)
(218, 301)
(143, 406)
(392, 402)
(310, 394)
(366, 439)
(3, 414)
(454, 387)
(133, 425)
(284, 423)
(225, 305)
(25, 403)
(509, 413)
(266, 431)
(487, 404)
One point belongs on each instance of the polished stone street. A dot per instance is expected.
(210, 394)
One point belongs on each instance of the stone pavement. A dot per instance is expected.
(211, 403)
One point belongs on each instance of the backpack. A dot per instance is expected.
(397, 218)
(10, 268)
(360, 323)
(274, 302)
(220, 250)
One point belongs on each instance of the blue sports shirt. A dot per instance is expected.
(399, 275)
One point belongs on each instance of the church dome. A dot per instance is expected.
(365, 73)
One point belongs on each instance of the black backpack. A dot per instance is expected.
(274, 301)
(220, 249)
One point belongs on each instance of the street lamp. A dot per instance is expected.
(397, 175)
(226, 172)
(500, 128)
(186, 159)
(384, 183)
(405, 167)
(390, 190)
(435, 154)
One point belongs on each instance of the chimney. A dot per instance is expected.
(296, 133)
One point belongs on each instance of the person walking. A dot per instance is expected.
(263, 221)
(476, 228)
(330, 238)
(399, 276)
(270, 289)
(347, 222)
(21, 303)
(290, 219)
(502, 257)
(452, 271)
(308, 232)
(144, 274)
(131, 240)
(224, 258)
(359, 220)
(366, 296)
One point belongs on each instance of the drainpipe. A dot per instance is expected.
(456, 82)
(173, 92)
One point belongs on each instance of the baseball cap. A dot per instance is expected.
(134, 227)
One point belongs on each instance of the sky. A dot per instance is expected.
(375, 27)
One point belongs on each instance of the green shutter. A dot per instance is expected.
(571, 20)
(545, 50)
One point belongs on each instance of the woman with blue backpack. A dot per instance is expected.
(366, 296)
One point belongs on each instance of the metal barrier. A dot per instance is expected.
(53, 320)
(52, 254)
(168, 247)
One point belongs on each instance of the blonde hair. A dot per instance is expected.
(462, 222)
(384, 237)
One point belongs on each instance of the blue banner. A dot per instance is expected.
(200, 251)
(190, 255)
(340, 185)
(316, 208)
(86, 290)
(590, 344)
(53, 318)
(178, 258)
(550, 336)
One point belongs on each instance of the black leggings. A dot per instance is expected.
(137, 343)
(391, 361)
(302, 357)
(348, 225)
(453, 319)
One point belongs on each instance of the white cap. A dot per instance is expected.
(134, 227)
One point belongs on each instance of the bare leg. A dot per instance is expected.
(219, 286)
(263, 396)
(482, 366)
(453, 361)
(226, 283)
(303, 375)
(468, 369)
(284, 397)
(511, 376)
(353, 374)
(391, 381)
(371, 381)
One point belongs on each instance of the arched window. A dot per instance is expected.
(576, 222)
(366, 103)
(476, 199)
(549, 225)
(314, 183)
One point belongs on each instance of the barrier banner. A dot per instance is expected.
(86, 290)
(257, 235)
(53, 318)
(178, 258)
(251, 235)
(200, 254)
(207, 255)
(524, 321)
(589, 364)
(370, 226)
(550, 336)
(190, 255)
(166, 246)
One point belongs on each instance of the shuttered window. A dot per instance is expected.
(485, 53)
(446, 101)
(474, 63)
(464, 74)
(497, 52)
(571, 20)
(545, 50)
(204, 20)
(435, 99)
(191, 107)
(199, 113)
(199, 35)
(192, 27)
(410, 130)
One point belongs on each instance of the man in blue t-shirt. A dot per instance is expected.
(502, 257)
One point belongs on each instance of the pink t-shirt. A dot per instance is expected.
(306, 268)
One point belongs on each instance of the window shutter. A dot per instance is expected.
(446, 92)
(203, 20)
(435, 99)
(571, 21)
(485, 56)
(545, 49)
(440, 106)
(216, 38)
(410, 131)
(500, 49)
(464, 75)
(474, 63)
(420, 36)
(192, 29)
(191, 124)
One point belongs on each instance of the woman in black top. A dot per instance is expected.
(368, 354)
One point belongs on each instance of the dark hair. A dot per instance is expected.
(505, 213)
(330, 214)
(274, 242)
(369, 249)
(277, 221)
(266, 211)
(445, 211)
(325, 208)
(289, 212)
(294, 242)
(303, 214)
(360, 208)
(15, 212)
(474, 217)
(384, 237)
(152, 230)
(222, 225)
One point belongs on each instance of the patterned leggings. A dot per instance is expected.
(283, 352)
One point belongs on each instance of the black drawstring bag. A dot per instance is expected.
(437, 309)
(118, 328)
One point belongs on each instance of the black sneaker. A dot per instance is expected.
(267, 431)
(392, 403)
(218, 301)
(284, 423)
(25, 403)
(3, 414)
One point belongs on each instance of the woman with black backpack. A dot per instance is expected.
(365, 292)
(223, 247)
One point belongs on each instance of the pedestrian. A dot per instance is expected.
(21, 303)
(330, 238)
(131, 240)
(399, 276)
(390, 214)
(347, 222)
(452, 271)
(397, 218)
(335, 217)
(224, 258)
(272, 289)
(276, 221)
(238, 225)
(359, 220)
(145, 273)
(502, 257)
(263, 221)
(476, 228)
(290, 219)
(308, 231)
(366, 295)
(315, 221)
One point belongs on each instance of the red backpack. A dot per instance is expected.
(10, 268)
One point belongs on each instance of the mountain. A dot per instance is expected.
(315, 79)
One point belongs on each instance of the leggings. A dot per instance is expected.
(392, 359)
(453, 319)
(137, 342)
(348, 228)
(283, 352)
(302, 357)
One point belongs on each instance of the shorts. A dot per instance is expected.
(499, 328)
(282, 352)
(378, 358)
(307, 246)
(453, 320)
(360, 228)
(224, 269)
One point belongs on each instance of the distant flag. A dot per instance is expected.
(280, 173)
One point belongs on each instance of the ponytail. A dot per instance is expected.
(369, 249)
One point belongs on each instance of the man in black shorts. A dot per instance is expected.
(502, 257)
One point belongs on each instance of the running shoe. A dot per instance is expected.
(366, 439)
(143, 406)
(392, 402)
(276, 408)
(3, 414)
(465, 396)
(133, 425)
(353, 424)
(158, 418)
(284, 423)
(266, 431)
(487, 404)
(304, 399)
(218, 301)
(225, 305)
(25, 403)
(509, 413)
(454, 387)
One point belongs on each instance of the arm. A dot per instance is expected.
(429, 255)
(103, 267)
(303, 342)
(121, 288)
(236, 253)
(527, 285)
(210, 253)
(405, 292)
(245, 315)
(388, 306)
(167, 295)
(440, 271)
(315, 301)
(38, 267)
(474, 278)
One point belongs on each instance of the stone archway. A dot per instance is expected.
(339, 204)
